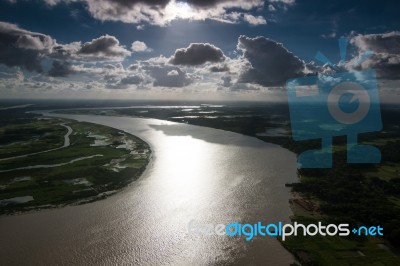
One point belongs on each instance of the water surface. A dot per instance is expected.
(209, 175)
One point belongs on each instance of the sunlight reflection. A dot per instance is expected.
(186, 177)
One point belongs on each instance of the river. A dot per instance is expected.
(209, 175)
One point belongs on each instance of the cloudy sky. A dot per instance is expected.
(189, 49)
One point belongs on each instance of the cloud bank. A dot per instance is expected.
(162, 12)
(271, 64)
(385, 50)
(104, 63)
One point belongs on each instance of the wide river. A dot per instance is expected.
(196, 173)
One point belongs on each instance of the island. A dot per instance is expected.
(48, 162)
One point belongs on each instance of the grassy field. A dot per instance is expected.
(99, 160)
(336, 250)
(356, 195)
(17, 139)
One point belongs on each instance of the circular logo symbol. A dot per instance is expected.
(358, 94)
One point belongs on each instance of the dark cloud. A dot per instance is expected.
(104, 47)
(271, 63)
(31, 42)
(166, 76)
(209, 4)
(223, 68)
(226, 81)
(129, 11)
(385, 57)
(62, 52)
(60, 69)
(130, 3)
(109, 67)
(132, 80)
(117, 5)
(197, 54)
(22, 48)
(388, 43)
(205, 3)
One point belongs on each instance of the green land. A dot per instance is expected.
(355, 194)
(99, 161)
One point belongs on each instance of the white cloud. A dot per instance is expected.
(52, 2)
(173, 72)
(259, 20)
(331, 35)
(275, 5)
(286, 2)
(138, 46)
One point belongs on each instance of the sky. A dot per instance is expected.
(190, 49)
